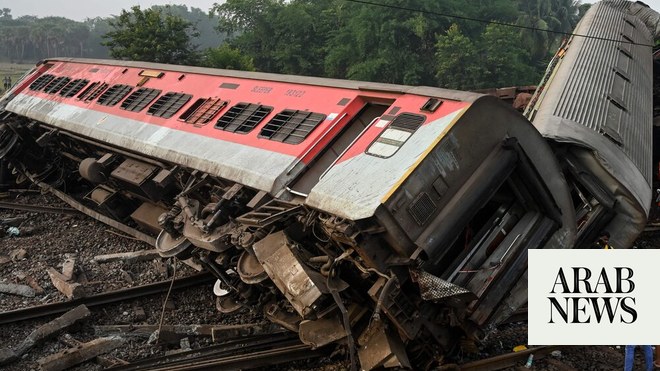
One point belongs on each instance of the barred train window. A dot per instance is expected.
(91, 92)
(139, 99)
(113, 95)
(243, 117)
(41, 82)
(202, 111)
(73, 87)
(57, 84)
(395, 135)
(168, 104)
(291, 126)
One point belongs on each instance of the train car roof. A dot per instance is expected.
(294, 79)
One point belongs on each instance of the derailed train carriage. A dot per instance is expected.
(393, 219)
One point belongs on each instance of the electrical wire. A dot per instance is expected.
(167, 296)
(397, 7)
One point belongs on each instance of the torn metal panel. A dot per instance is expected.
(383, 349)
(301, 286)
(322, 331)
(434, 288)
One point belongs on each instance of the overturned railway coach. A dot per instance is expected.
(393, 219)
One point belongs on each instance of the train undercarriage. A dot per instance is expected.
(331, 280)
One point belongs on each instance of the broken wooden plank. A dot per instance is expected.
(68, 267)
(44, 332)
(31, 281)
(105, 361)
(79, 354)
(128, 256)
(16, 289)
(70, 290)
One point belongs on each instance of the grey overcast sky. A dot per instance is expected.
(80, 9)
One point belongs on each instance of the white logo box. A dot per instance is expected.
(644, 300)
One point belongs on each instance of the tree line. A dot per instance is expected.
(30, 38)
(414, 42)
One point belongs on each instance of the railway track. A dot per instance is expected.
(104, 298)
(509, 360)
(37, 208)
(239, 353)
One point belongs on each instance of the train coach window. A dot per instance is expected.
(57, 84)
(168, 104)
(395, 135)
(139, 99)
(202, 111)
(291, 126)
(41, 82)
(72, 88)
(114, 94)
(243, 117)
(91, 92)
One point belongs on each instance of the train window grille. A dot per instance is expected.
(202, 111)
(168, 104)
(395, 135)
(73, 88)
(114, 94)
(243, 117)
(291, 126)
(41, 82)
(139, 99)
(57, 84)
(92, 91)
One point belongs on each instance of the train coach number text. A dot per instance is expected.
(295, 93)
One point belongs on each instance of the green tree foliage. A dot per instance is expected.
(540, 15)
(458, 63)
(227, 57)
(332, 38)
(505, 63)
(151, 35)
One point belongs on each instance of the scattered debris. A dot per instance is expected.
(126, 276)
(17, 254)
(105, 361)
(69, 266)
(15, 289)
(40, 334)
(139, 314)
(31, 281)
(81, 353)
(185, 344)
(4, 259)
(12, 232)
(70, 290)
(128, 256)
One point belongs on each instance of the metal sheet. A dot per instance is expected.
(354, 188)
(250, 166)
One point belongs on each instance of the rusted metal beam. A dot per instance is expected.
(98, 216)
(79, 354)
(44, 332)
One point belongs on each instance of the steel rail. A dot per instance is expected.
(509, 360)
(256, 359)
(230, 347)
(104, 298)
(37, 208)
